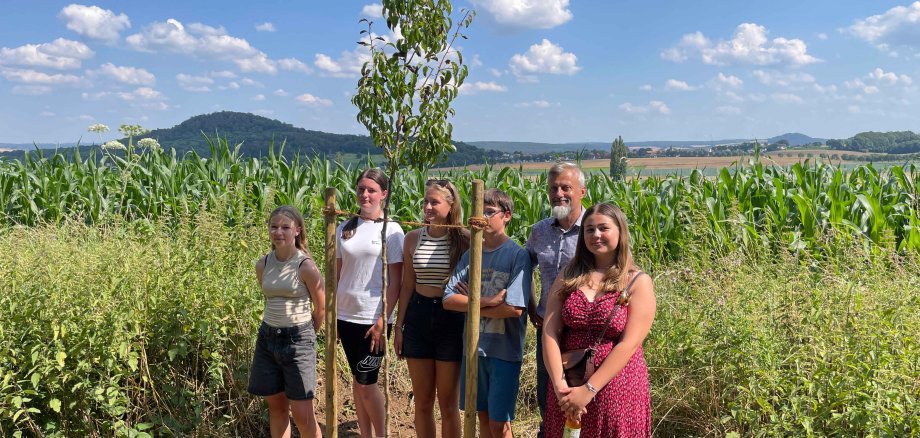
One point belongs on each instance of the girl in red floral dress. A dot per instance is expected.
(615, 400)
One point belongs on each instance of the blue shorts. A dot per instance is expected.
(284, 360)
(496, 387)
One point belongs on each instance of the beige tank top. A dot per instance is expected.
(287, 301)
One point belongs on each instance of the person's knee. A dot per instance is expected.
(448, 402)
(366, 392)
(500, 428)
(277, 405)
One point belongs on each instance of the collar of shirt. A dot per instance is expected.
(574, 226)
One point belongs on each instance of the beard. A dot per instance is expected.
(561, 211)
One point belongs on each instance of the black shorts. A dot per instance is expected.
(431, 332)
(284, 360)
(365, 365)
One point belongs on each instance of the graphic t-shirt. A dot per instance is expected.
(506, 267)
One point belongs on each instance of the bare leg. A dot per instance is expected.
(278, 415)
(305, 418)
(364, 420)
(485, 431)
(500, 429)
(447, 376)
(422, 373)
(373, 405)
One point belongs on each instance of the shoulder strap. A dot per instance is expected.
(616, 304)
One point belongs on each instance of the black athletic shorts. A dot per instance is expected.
(365, 365)
(430, 332)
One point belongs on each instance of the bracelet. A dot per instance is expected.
(591, 387)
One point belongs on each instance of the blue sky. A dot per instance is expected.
(540, 70)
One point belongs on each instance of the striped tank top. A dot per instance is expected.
(431, 259)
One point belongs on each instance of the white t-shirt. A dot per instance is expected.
(360, 284)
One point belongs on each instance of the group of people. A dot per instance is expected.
(592, 296)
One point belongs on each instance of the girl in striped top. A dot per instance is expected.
(427, 336)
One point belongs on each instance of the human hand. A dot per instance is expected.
(398, 341)
(494, 300)
(462, 288)
(562, 389)
(575, 403)
(376, 335)
(535, 319)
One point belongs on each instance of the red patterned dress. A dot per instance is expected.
(623, 407)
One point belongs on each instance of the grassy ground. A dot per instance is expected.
(135, 329)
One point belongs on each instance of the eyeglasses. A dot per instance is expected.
(489, 212)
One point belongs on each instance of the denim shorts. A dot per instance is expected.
(284, 360)
(430, 332)
(497, 385)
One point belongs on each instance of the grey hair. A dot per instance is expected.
(563, 166)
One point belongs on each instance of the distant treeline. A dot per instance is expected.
(897, 142)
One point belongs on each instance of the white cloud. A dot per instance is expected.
(94, 22)
(266, 27)
(822, 36)
(201, 41)
(47, 114)
(677, 85)
(31, 90)
(783, 79)
(749, 45)
(252, 83)
(476, 87)
(728, 110)
(143, 97)
(197, 84)
(124, 74)
(786, 98)
(311, 100)
(496, 72)
(897, 27)
(59, 54)
(870, 83)
(730, 81)
(541, 14)
(373, 10)
(225, 74)
(258, 97)
(280, 92)
(536, 104)
(347, 65)
(646, 87)
(294, 64)
(654, 106)
(545, 57)
(38, 78)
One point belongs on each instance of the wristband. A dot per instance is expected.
(591, 387)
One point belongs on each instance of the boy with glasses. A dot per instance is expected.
(506, 281)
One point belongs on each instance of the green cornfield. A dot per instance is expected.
(789, 298)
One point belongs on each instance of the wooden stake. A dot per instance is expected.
(332, 334)
(472, 317)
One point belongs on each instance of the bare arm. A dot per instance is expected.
(501, 311)
(260, 268)
(408, 285)
(552, 333)
(313, 279)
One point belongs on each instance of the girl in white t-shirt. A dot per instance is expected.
(358, 295)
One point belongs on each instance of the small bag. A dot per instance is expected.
(578, 364)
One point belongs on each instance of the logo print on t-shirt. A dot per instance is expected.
(492, 282)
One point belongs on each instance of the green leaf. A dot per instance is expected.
(55, 405)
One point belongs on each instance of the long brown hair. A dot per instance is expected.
(458, 238)
(376, 175)
(578, 271)
(292, 213)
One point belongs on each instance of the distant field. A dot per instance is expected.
(690, 163)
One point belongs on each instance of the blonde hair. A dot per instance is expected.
(459, 241)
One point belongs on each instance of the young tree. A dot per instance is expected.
(405, 92)
(618, 154)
